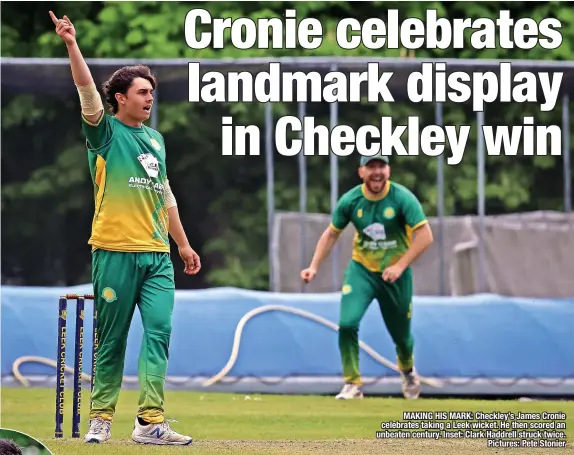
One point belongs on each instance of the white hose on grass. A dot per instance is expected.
(305, 314)
(234, 352)
(51, 363)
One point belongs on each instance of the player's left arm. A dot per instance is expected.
(417, 223)
(422, 236)
(422, 239)
(177, 232)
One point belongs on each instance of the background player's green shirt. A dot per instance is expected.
(128, 171)
(384, 225)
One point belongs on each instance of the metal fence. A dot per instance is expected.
(51, 77)
(526, 255)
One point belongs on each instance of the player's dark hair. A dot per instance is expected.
(8, 447)
(122, 80)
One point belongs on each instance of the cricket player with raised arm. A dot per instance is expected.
(135, 212)
(392, 232)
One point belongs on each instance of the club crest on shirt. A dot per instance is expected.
(376, 231)
(150, 164)
(389, 213)
(155, 144)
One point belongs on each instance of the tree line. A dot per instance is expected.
(47, 195)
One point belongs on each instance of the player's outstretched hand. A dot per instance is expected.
(191, 260)
(308, 274)
(392, 273)
(64, 28)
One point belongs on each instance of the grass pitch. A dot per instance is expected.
(269, 424)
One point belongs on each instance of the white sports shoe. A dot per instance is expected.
(159, 434)
(411, 385)
(350, 392)
(100, 431)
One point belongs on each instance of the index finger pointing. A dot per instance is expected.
(54, 18)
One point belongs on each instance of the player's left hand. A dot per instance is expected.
(392, 273)
(191, 260)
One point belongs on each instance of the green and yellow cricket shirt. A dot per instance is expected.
(128, 170)
(384, 225)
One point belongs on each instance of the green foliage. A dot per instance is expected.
(47, 189)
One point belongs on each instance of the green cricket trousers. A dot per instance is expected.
(360, 288)
(121, 281)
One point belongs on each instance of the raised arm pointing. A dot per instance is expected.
(90, 100)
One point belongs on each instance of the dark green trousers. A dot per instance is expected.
(121, 281)
(360, 288)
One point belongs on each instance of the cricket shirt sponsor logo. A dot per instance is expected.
(143, 183)
(109, 295)
(150, 164)
(376, 232)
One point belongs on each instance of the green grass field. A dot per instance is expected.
(268, 424)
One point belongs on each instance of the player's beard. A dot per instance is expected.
(376, 186)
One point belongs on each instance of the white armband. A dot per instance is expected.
(90, 99)
(169, 197)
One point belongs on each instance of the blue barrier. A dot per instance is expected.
(482, 344)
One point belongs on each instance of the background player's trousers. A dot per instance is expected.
(121, 281)
(360, 288)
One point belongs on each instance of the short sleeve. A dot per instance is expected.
(413, 211)
(340, 218)
(97, 134)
